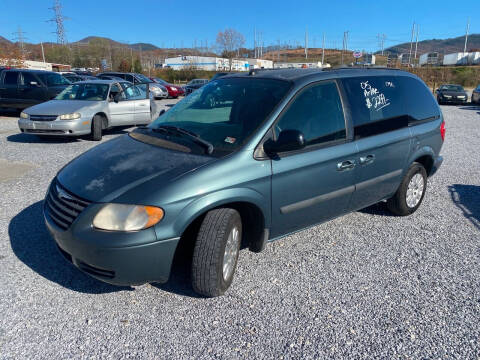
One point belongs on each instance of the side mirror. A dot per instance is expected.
(288, 140)
(116, 98)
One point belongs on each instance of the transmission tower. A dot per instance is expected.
(20, 39)
(58, 20)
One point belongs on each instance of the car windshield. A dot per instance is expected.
(451, 88)
(87, 92)
(142, 78)
(52, 79)
(226, 112)
(161, 81)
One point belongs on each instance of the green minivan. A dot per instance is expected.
(244, 160)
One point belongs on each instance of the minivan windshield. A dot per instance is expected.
(226, 112)
(451, 88)
(88, 92)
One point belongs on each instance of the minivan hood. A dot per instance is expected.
(110, 169)
(58, 107)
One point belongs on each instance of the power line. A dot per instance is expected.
(58, 20)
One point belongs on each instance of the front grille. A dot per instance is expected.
(41, 131)
(43, 117)
(95, 270)
(62, 206)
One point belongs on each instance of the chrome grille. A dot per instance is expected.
(62, 206)
(43, 117)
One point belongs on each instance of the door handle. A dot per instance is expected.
(365, 160)
(346, 165)
(142, 105)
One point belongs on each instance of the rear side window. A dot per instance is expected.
(317, 113)
(419, 101)
(10, 78)
(28, 78)
(377, 104)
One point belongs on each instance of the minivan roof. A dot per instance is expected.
(297, 74)
(32, 70)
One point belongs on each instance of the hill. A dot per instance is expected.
(136, 46)
(443, 46)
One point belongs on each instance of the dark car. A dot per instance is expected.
(76, 78)
(451, 94)
(158, 90)
(83, 72)
(476, 95)
(289, 149)
(174, 91)
(109, 77)
(20, 88)
(194, 84)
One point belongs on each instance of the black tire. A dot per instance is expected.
(438, 101)
(398, 203)
(208, 253)
(96, 134)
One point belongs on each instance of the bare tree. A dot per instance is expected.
(229, 41)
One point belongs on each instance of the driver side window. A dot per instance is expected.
(317, 113)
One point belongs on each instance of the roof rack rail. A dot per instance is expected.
(368, 67)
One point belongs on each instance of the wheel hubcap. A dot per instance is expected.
(415, 190)
(231, 252)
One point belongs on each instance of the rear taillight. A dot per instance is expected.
(442, 130)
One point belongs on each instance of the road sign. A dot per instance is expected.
(357, 54)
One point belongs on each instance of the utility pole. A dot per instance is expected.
(306, 43)
(411, 45)
(416, 45)
(20, 38)
(43, 53)
(345, 43)
(466, 36)
(255, 42)
(381, 41)
(323, 49)
(59, 19)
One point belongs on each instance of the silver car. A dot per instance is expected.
(89, 107)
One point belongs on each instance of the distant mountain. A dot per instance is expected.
(445, 46)
(136, 46)
(4, 41)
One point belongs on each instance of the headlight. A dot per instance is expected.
(120, 217)
(462, 97)
(447, 96)
(173, 88)
(71, 116)
(24, 115)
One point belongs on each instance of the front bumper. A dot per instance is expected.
(76, 127)
(118, 258)
(453, 100)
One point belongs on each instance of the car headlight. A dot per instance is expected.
(121, 217)
(462, 97)
(24, 115)
(71, 116)
(447, 96)
(173, 88)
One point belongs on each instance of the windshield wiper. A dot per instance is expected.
(195, 137)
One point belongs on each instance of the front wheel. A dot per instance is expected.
(410, 193)
(216, 250)
(96, 134)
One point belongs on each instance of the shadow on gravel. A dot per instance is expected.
(377, 209)
(32, 244)
(467, 198)
(472, 107)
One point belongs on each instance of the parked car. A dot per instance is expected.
(194, 85)
(21, 88)
(158, 91)
(76, 78)
(174, 91)
(476, 95)
(451, 94)
(290, 149)
(109, 77)
(89, 107)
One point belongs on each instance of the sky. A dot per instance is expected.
(180, 23)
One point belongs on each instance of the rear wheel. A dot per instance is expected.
(216, 250)
(96, 134)
(410, 193)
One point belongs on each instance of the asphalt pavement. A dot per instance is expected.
(366, 285)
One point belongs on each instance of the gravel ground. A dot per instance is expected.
(366, 285)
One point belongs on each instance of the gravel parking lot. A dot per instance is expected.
(366, 285)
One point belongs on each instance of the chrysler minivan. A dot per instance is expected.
(280, 151)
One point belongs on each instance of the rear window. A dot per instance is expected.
(386, 103)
